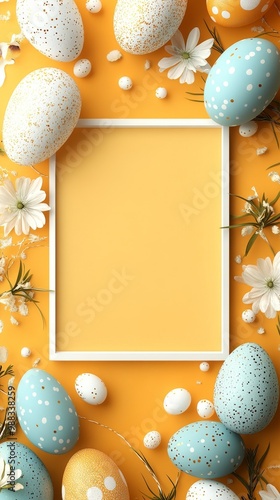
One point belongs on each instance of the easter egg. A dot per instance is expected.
(242, 82)
(46, 413)
(53, 27)
(177, 401)
(209, 489)
(92, 474)
(246, 391)
(206, 449)
(41, 114)
(234, 14)
(141, 27)
(35, 478)
(91, 388)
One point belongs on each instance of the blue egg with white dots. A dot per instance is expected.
(35, 478)
(242, 82)
(206, 449)
(46, 413)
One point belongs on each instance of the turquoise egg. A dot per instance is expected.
(246, 391)
(242, 82)
(206, 449)
(46, 413)
(35, 477)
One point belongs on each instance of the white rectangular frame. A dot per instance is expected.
(57, 355)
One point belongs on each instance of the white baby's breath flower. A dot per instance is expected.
(23, 309)
(265, 280)
(21, 207)
(246, 230)
(274, 176)
(3, 354)
(7, 242)
(275, 229)
(238, 259)
(261, 330)
(186, 58)
(14, 321)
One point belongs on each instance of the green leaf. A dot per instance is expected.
(250, 243)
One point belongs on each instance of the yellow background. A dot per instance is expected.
(136, 389)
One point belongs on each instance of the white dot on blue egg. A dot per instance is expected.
(40, 402)
(231, 70)
(249, 72)
(60, 427)
(258, 49)
(34, 394)
(54, 438)
(249, 87)
(268, 51)
(267, 75)
(57, 417)
(192, 450)
(70, 410)
(60, 441)
(252, 54)
(262, 61)
(44, 420)
(225, 84)
(47, 403)
(218, 89)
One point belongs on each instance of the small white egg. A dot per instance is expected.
(177, 401)
(125, 83)
(82, 68)
(152, 440)
(248, 129)
(204, 366)
(93, 6)
(25, 352)
(248, 316)
(205, 408)
(91, 388)
(161, 93)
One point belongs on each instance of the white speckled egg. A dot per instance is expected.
(204, 366)
(46, 413)
(248, 129)
(238, 13)
(142, 27)
(91, 474)
(161, 93)
(177, 401)
(82, 68)
(248, 316)
(242, 82)
(91, 388)
(246, 390)
(53, 27)
(152, 440)
(35, 477)
(125, 83)
(94, 6)
(206, 449)
(41, 114)
(205, 408)
(209, 490)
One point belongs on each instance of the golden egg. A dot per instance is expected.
(91, 475)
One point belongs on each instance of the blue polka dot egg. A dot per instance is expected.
(246, 391)
(242, 82)
(35, 479)
(46, 413)
(206, 450)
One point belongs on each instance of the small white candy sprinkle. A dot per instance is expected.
(261, 151)
(82, 68)
(94, 6)
(261, 331)
(204, 366)
(147, 64)
(248, 316)
(114, 55)
(161, 93)
(152, 440)
(125, 83)
(248, 129)
(25, 352)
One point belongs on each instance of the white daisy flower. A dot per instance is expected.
(186, 58)
(21, 206)
(265, 280)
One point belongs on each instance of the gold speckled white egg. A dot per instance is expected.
(41, 114)
(207, 488)
(91, 474)
(53, 27)
(142, 27)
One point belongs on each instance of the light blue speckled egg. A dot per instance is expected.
(35, 477)
(246, 391)
(46, 413)
(206, 449)
(242, 82)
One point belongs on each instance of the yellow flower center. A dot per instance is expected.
(20, 205)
